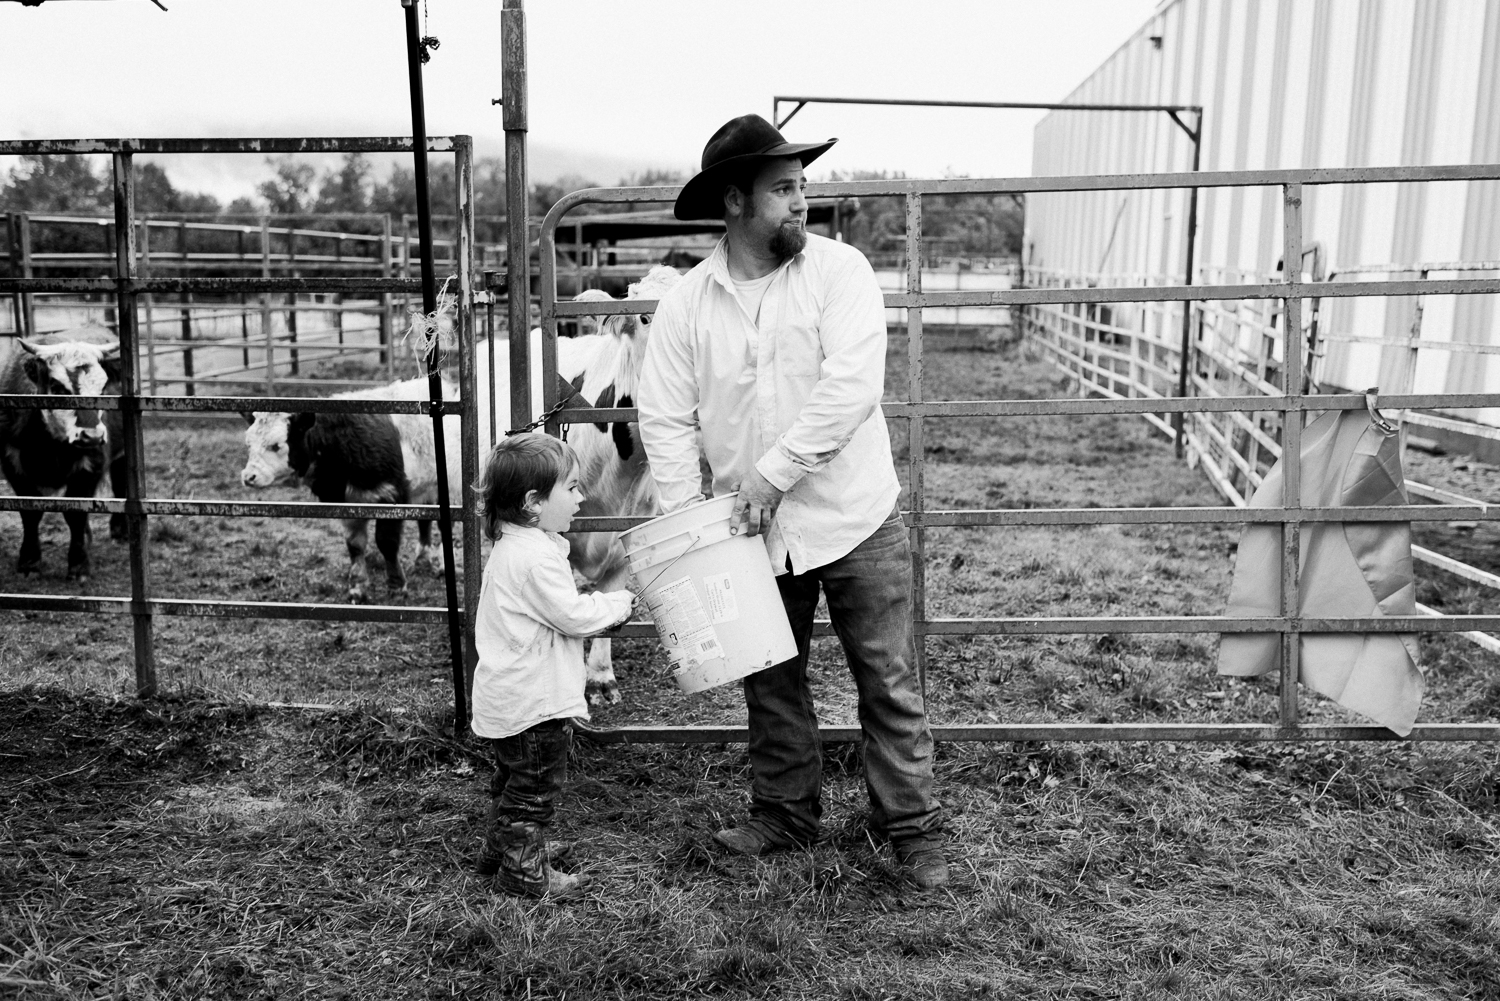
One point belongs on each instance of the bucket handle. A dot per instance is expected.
(696, 539)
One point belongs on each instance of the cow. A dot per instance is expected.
(63, 452)
(613, 473)
(595, 370)
(362, 459)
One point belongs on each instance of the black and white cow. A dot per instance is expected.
(362, 459)
(50, 453)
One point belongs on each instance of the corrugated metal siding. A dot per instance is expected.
(1296, 83)
(1474, 320)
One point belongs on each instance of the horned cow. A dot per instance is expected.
(63, 452)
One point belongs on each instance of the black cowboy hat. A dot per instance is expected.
(739, 143)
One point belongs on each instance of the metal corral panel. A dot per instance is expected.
(1295, 83)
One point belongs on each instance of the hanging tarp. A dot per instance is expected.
(1347, 569)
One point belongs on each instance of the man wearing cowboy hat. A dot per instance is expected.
(774, 348)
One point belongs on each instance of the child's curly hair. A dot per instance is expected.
(517, 465)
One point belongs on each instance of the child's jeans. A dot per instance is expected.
(529, 770)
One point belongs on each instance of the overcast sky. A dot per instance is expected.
(615, 85)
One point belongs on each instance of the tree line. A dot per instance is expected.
(69, 182)
(954, 225)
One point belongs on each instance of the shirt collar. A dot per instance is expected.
(718, 263)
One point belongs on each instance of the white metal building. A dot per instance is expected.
(1296, 83)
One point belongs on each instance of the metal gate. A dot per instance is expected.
(127, 285)
(1290, 400)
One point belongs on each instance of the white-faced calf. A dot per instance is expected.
(357, 459)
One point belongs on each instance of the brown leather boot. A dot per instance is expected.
(524, 869)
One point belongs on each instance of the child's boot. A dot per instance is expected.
(488, 862)
(523, 866)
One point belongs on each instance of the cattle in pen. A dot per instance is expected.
(362, 459)
(595, 370)
(65, 451)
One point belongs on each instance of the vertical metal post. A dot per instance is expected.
(130, 415)
(434, 380)
(266, 324)
(577, 257)
(244, 304)
(489, 335)
(338, 297)
(1408, 382)
(463, 155)
(517, 239)
(13, 249)
(291, 298)
(405, 262)
(187, 313)
(387, 345)
(915, 447)
(1291, 451)
(148, 307)
(111, 313)
(28, 304)
(1184, 358)
(1020, 201)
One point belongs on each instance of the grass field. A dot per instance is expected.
(205, 845)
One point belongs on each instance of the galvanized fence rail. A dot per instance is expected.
(1237, 351)
(127, 286)
(1290, 400)
(269, 353)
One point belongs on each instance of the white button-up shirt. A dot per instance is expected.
(796, 396)
(529, 633)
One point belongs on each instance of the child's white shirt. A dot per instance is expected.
(529, 634)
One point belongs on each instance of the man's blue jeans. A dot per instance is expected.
(870, 605)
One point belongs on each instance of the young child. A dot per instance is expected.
(529, 633)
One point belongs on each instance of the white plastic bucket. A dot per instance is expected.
(712, 595)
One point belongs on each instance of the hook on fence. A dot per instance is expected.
(1372, 404)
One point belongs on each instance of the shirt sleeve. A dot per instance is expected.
(851, 379)
(553, 599)
(667, 400)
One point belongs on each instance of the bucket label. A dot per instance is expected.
(683, 624)
(721, 604)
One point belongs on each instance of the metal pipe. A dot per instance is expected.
(1011, 517)
(434, 379)
(517, 238)
(1291, 449)
(258, 146)
(893, 300)
(470, 499)
(130, 413)
(982, 732)
(802, 102)
(28, 306)
(916, 449)
(1185, 351)
(971, 408)
(266, 319)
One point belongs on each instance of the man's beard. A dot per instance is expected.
(788, 240)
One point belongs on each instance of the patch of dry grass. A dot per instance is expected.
(191, 849)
